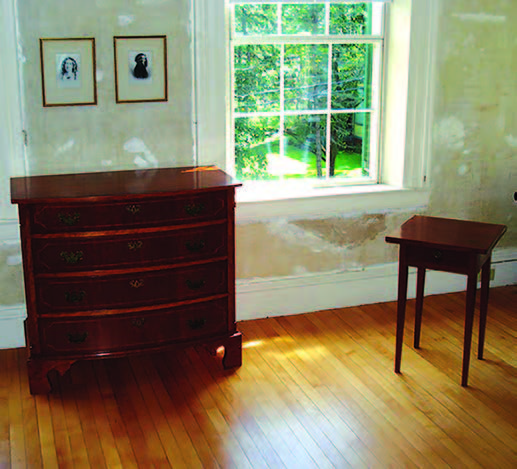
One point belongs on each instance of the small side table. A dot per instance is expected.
(448, 245)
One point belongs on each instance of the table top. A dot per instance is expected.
(113, 184)
(448, 233)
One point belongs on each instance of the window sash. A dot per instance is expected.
(373, 111)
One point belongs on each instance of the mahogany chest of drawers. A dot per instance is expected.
(126, 262)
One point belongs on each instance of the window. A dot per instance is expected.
(306, 89)
(392, 126)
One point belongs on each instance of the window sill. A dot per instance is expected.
(261, 201)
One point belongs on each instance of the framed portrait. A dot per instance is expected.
(68, 71)
(140, 68)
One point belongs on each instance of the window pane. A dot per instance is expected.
(352, 76)
(304, 143)
(257, 78)
(359, 18)
(303, 19)
(255, 139)
(350, 145)
(255, 20)
(306, 77)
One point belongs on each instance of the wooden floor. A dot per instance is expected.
(315, 390)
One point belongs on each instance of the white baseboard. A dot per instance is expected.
(11, 326)
(259, 298)
(294, 295)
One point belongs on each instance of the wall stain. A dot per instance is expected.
(346, 231)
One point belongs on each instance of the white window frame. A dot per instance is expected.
(406, 124)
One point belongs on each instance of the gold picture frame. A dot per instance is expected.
(68, 70)
(140, 69)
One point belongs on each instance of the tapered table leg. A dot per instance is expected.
(469, 320)
(401, 307)
(483, 305)
(420, 287)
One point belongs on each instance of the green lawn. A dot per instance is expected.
(300, 163)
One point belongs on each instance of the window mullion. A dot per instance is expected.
(329, 113)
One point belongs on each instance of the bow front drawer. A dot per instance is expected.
(82, 253)
(147, 329)
(133, 214)
(139, 288)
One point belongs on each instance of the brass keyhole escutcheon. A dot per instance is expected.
(133, 209)
(69, 219)
(194, 208)
(77, 337)
(135, 245)
(138, 322)
(75, 297)
(137, 283)
(71, 257)
(195, 284)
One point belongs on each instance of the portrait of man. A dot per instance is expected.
(140, 66)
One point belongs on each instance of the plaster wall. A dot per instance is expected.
(474, 152)
(108, 135)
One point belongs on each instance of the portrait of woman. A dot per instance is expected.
(68, 70)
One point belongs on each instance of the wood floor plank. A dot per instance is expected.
(232, 401)
(144, 439)
(315, 391)
(46, 433)
(170, 372)
(33, 457)
(187, 455)
(6, 375)
(111, 409)
(173, 451)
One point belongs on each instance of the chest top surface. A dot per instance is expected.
(112, 185)
(448, 233)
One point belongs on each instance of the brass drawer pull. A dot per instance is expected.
(133, 209)
(135, 245)
(71, 257)
(195, 284)
(194, 209)
(75, 297)
(136, 283)
(139, 322)
(196, 324)
(69, 219)
(195, 246)
(77, 337)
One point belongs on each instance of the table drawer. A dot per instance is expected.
(110, 334)
(67, 254)
(439, 259)
(140, 288)
(148, 212)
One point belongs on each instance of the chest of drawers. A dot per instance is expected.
(126, 262)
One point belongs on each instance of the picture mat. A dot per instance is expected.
(130, 89)
(54, 93)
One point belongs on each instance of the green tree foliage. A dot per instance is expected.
(305, 78)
